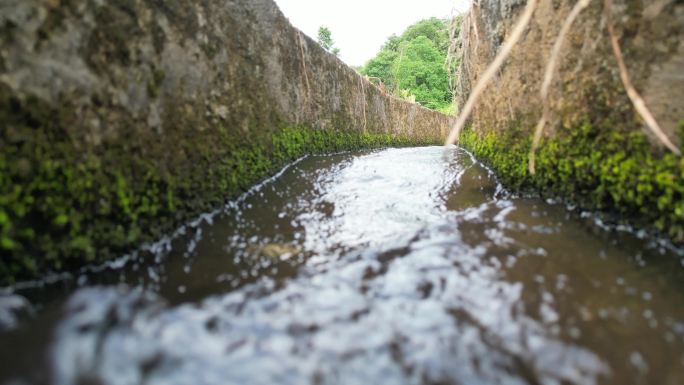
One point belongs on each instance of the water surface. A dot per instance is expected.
(401, 266)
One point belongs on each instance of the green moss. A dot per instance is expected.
(608, 169)
(65, 202)
(154, 82)
(680, 131)
(110, 42)
(210, 49)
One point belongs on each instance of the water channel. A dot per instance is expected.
(398, 266)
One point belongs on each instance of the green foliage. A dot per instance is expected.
(382, 67)
(598, 168)
(421, 70)
(449, 109)
(415, 63)
(407, 95)
(326, 41)
(435, 30)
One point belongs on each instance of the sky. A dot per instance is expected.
(360, 27)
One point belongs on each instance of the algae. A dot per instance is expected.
(608, 169)
(155, 82)
(64, 204)
(127, 125)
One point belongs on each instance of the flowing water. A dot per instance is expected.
(401, 266)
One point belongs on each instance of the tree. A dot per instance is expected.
(436, 30)
(326, 41)
(382, 67)
(420, 70)
(414, 63)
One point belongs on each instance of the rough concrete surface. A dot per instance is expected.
(587, 84)
(596, 150)
(120, 119)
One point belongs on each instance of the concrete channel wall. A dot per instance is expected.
(596, 151)
(119, 120)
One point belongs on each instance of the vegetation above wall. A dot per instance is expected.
(326, 41)
(598, 168)
(412, 65)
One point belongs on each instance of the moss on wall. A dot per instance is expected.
(596, 151)
(63, 205)
(121, 120)
(609, 169)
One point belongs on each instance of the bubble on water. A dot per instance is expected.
(13, 308)
(510, 261)
(631, 291)
(585, 314)
(152, 274)
(637, 360)
(574, 332)
(669, 337)
(548, 314)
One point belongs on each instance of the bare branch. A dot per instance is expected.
(558, 45)
(551, 67)
(301, 42)
(634, 96)
(363, 104)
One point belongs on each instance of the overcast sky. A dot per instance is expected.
(360, 27)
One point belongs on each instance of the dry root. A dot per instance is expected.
(634, 96)
(453, 53)
(301, 41)
(363, 103)
(490, 72)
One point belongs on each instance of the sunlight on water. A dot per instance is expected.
(397, 266)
